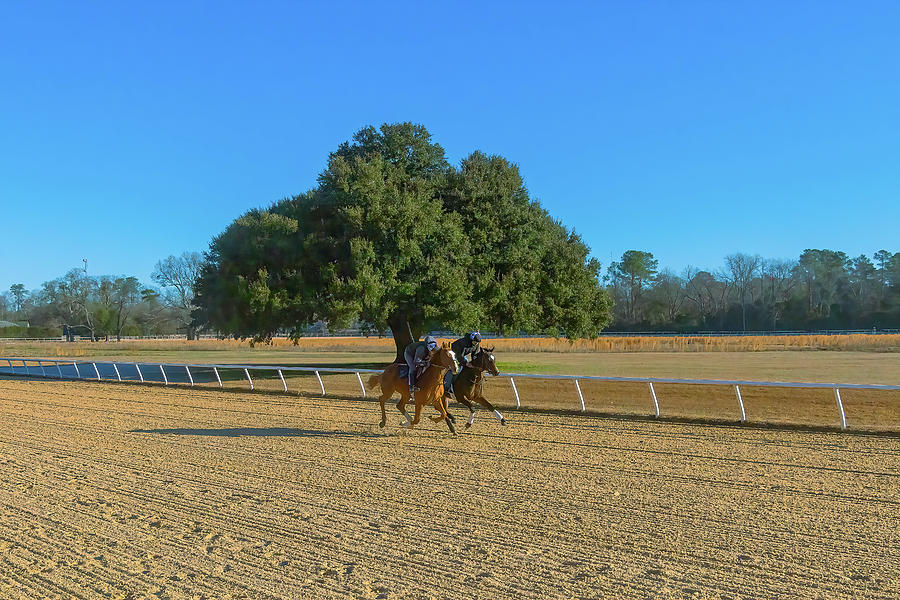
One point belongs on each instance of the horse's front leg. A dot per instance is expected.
(461, 398)
(419, 405)
(440, 403)
(484, 402)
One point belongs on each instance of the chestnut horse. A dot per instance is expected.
(430, 384)
(468, 385)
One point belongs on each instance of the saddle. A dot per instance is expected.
(403, 370)
(450, 379)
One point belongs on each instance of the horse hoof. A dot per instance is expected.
(381, 424)
(503, 421)
(468, 425)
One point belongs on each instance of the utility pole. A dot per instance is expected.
(84, 260)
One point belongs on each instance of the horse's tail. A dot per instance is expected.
(374, 380)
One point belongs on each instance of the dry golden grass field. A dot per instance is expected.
(133, 492)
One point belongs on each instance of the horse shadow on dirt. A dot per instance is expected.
(255, 432)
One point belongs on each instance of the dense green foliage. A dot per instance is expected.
(822, 289)
(393, 236)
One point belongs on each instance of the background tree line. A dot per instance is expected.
(78, 304)
(822, 289)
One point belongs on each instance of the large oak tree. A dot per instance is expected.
(394, 236)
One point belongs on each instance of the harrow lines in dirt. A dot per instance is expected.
(51, 551)
(621, 469)
(306, 497)
(99, 528)
(209, 510)
(711, 481)
(696, 559)
(226, 475)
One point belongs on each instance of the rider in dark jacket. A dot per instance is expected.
(466, 347)
(416, 355)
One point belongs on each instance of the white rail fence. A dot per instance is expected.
(182, 374)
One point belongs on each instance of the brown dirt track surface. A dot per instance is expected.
(123, 491)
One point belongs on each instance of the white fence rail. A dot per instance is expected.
(182, 374)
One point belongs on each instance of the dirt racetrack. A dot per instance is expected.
(126, 491)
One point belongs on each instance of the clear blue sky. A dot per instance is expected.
(130, 131)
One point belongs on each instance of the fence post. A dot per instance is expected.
(737, 390)
(43, 370)
(321, 385)
(282, 380)
(190, 377)
(26, 368)
(361, 386)
(141, 375)
(516, 392)
(655, 401)
(163, 371)
(247, 373)
(116, 367)
(59, 369)
(840, 405)
(77, 371)
(580, 396)
(97, 371)
(219, 379)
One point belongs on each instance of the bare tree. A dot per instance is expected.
(778, 285)
(707, 293)
(742, 268)
(71, 298)
(669, 290)
(177, 275)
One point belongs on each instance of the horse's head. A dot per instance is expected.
(445, 357)
(484, 360)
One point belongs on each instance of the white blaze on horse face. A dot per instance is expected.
(455, 364)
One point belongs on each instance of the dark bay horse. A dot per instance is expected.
(430, 384)
(469, 384)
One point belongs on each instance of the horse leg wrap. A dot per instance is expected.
(471, 418)
(498, 415)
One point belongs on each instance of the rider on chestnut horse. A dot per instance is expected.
(417, 355)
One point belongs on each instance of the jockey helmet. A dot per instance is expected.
(475, 336)
(430, 342)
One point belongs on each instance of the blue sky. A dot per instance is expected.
(131, 131)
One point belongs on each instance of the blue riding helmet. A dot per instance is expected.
(475, 336)
(430, 343)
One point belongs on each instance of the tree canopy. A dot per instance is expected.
(394, 236)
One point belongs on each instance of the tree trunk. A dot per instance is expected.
(402, 332)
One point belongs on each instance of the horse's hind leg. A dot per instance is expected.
(401, 406)
(384, 396)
